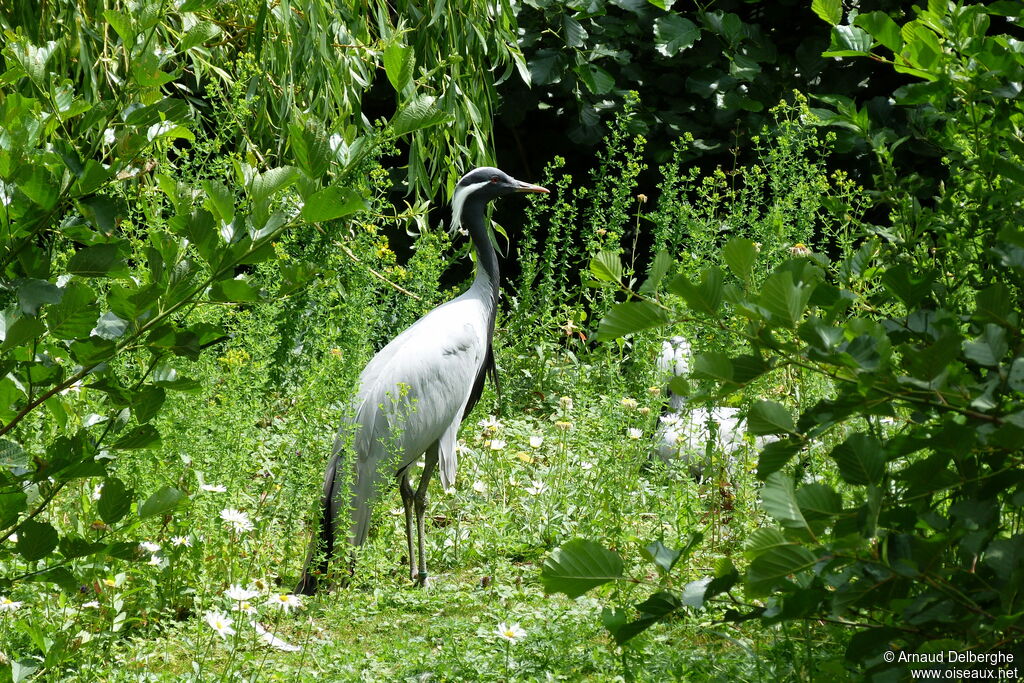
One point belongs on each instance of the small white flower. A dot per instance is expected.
(8, 605)
(246, 607)
(155, 561)
(490, 424)
(239, 594)
(92, 604)
(669, 419)
(150, 547)
(285, 601)
(536, 488)
(108, 136)
(586, 465)
(178, 541)
(214, 488)
(565, 402)
(97, 491)
(479, 487)
(238, 520)
(510, 632)
(634, 433)
(536, 441)
(497, 444)
(221, 623)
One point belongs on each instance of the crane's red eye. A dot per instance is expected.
(494, 178)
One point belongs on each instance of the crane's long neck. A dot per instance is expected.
(488, 278)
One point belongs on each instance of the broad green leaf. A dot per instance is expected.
(861, 460)
(775, 456)
(763, 539)
(202, 32)
(1016, 375)
(673, 34)
(422, 112)
(784, 297)
(578, 566)
(740, 254)
(143, 436)
(663, 557)
(161, 502)
(705, 297)
(829, 10)
(909, 286)
(849, 41)
(99, 260)
(266, 184)
(659, 267)
(12, 504)
(607, 266)
(36, 540)
(882, 28)
(38, 184)
(779, 500)
(629, 317)
(331, 203)
(33, 59)
(147, 403)
(220, 201)
(18, 330)
(989, 347)
(769, 417)
(34, 293)
(122, 24)
(774, 566)
(115, 501)
(76, 546)
(109, 326)
(234, 290)
(399, 64)
(818, 502)
(75, 315)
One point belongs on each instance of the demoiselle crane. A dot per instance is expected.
(414, 394)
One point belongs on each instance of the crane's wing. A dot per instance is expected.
(415, 390)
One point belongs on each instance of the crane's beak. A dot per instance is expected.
(527, 187)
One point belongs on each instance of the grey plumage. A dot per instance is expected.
(414, 394)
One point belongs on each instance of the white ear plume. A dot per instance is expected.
(462, 193)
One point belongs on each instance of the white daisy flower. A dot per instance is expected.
(238, 520)
(536, 488)
(238, 594)
(285, 601)
(221, 623)
(178, 541)
(8, 605)
(92, 604)
(634, 433)
(479, 487)
(536, 441)
(497, 444)
(510, 632)
(272, 640)
(214, 488)
(150, 547)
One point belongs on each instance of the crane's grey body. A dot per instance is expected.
(414, 394)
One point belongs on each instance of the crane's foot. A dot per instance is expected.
(421, 579)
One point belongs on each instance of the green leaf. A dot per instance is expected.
(775, 565)
(220, 201)
(775, 456)
(202, 32)
(779, 500)
(784, 297)
(665, 558)
(740, 254)
(882, 28)
(76, 546)
(161, 502)
(421, 113)
(910, 286)
(399, 64)
(143, 436)
(989, 347)
(36, 540)
(122, 24)
(829, 10)
(818, 502)
(238, 291)
(34, 293)
(849, 41)
(115, 501)
(606, 266)
(19, 330)
(705, 297)
(39, 185)
(33, 59)
(656, 273)
(673, 34)
(266, 184)
(331, 203)
(860, 459)
(75, 315)
(99, 260)
(763, 539)
(769, 417)
(578, 566)
(12, 504)
(147, 403)
(629, 317)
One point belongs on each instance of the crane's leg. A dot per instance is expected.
(405, 488)
(421, 508)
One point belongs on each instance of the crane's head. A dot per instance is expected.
(486, 183)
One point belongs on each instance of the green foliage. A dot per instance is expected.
(916, 330)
